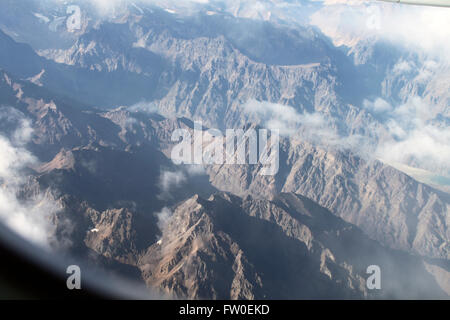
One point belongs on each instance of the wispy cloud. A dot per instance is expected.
(405, 133)
(170, 181)
(414, 139)
(143, 107)
(281, 117)
(425, 29)
(313, 127)
(30, 216)
(163, 217)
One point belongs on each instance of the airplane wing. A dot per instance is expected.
(434, 3)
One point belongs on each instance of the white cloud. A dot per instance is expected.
(405, 134)
(169, 181)
(414, 139)
(194, 170)
(402, 67)
(28, 217)
(426, 147)
(144, 107)
(12, 160)
(163, 218)
(377, 106)
(418, 28)
(427, 71)
(284, 118)
(313, 127)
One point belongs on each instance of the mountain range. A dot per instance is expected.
(96, 108)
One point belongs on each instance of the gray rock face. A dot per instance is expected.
(201, 73)
(351, 188)
(390, 206)
(227, 247)
(128, 208)
(231, 248)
